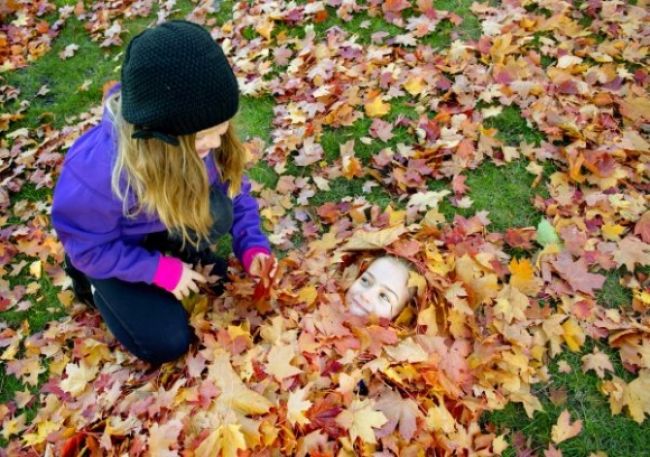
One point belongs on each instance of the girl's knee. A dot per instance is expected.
(169, 347)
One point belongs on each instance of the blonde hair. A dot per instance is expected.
(172, 181)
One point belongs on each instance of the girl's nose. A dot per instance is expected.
(366, 296)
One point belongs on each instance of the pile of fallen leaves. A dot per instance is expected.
(290, 372)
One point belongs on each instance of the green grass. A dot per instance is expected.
(513, 128)
(613, 294)
(618, 436)
(342, 187)
(504, 191)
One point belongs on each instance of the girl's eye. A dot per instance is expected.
(384, 297)
(364, 280)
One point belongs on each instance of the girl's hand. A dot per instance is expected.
(187, 283)
(263, 265)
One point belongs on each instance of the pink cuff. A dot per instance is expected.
(168, 273)
(250, 253)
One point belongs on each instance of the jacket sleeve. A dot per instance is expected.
(88, 225)
(247, 236)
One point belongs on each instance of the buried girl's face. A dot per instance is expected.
(381, 290)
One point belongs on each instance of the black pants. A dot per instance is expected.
(146, 319)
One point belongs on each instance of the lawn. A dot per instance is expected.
(557, 123)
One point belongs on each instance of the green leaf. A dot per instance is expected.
(546, 234)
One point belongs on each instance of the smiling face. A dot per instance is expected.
(381, 289)
(210, 138)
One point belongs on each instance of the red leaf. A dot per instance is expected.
(642, 227)
(263, 288)
(576, 274)
(73, 445)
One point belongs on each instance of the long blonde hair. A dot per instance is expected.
(172, 181)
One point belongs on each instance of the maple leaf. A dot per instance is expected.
(227, 438)
(13, 426)
(631, 251)
(439, 418)
(407, 351)
(425, 200)
(576, 274)
(279, 362)
(520, 237)
(381, 129)
(161, 437)
(362, 240)
(78, 377)
(499, 444)
(597, 361)
(375, 107)
(266, 279)
(375, 337)
(414, 85)
(297, 405)
(395, 6)
(573, 334)
(398, 411)
(511, 304)
(523, 277)
(311, 152)
(69, 51)
(360, 418)
(642, 227)
(323, 415)
(564, 429)
(552, 451)
(234, 393)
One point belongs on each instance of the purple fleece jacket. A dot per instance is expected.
(102, 243)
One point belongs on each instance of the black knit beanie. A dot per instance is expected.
(176, 80)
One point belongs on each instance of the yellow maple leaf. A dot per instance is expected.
(573, 334)
(407, 351)
(325, 243)
(477, 279)
(234, 393)
(637, 396)
(363, 240)
(417, 280)
(35, 268)
(414, 85)
(43, 429)
(163, 436)
(523, 276)
(612, 231)
(360, 418)
(499, 444)
(265, 28)
(78, 377)
(439, 418)
(279, 362)
(376, 107)
(308, 294)
(233, 440)
(511, 304)
(13, 426)
(564, 429)
(530, 402)
(428, 317)
(297, 405)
